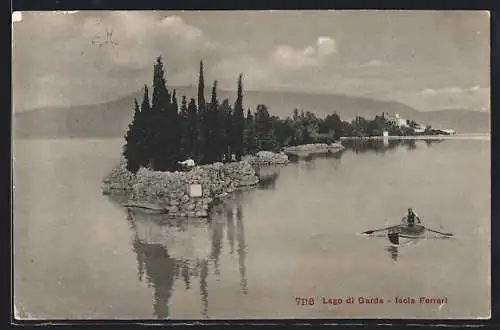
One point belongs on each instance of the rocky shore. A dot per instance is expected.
(119, 179)
(171, 192)
(311, 149)
(402, 137)
(191, 193)
(267, 158)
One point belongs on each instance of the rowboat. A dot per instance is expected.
(405, 233)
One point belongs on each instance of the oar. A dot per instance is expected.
(438, 232)
(376, 230)
(435, 231)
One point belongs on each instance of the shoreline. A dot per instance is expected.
(420, 137)
(167, 192)
(123, 181)
(170, 193)
(308, 150)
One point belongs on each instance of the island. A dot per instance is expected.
(181, 158)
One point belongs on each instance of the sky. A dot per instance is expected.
(427, 59)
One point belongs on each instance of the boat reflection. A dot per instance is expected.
(393, 252)
(188, 250)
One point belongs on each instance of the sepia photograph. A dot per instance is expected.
(251, 165)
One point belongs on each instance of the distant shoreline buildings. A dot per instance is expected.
(418, 128)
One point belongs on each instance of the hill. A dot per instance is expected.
(460, 120)
(108, 120)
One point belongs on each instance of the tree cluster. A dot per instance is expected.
(362, 127)
(164, 132)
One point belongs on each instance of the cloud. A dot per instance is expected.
(373, 63)
(177, 28)
(257, 73)
(326, 46)
(473, 98)
(286, 55)
(73, 63)
(274, 69)
(106, 55)
(370, 64)
(315, 55)
(140, 38)
(473, 89)
(449, 90)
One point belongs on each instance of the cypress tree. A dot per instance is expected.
(211, 123)
(225, 129)
(156, 117)
(238, 122)
(174, 102)
(145, 124)
(185, 144)
(145, 106)
(164, 116)
(204, 127)
(201, 88)
(264, 130)
(161, 97)
(193, 130)
(175, 126)
(172, 131)
(249, 139)
(132, 147)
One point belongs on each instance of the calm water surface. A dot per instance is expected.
(79, 254)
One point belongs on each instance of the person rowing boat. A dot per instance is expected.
(407, 231)
(411, 226)
(411, 218)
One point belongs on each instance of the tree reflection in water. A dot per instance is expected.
(217, 228)
(410, 144)
(185, 249)
(381, 146)
(268, 176)
(240, 237)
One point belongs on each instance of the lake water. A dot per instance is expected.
(79, 254)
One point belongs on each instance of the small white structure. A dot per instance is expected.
(195, 190)
(448, 131)
(397, 120)
(419, 129)
(385, 134)
(188, 163)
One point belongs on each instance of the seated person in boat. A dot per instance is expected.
(411, 218)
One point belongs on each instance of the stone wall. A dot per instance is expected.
(266, 158)
(119, 179)
(307, 150)
(314, 147)
(169, 192)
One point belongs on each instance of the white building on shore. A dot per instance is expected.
(419, 129)
(447, 131)
(397, 120)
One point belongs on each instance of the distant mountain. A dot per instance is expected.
(112, 118)
(460, 120)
